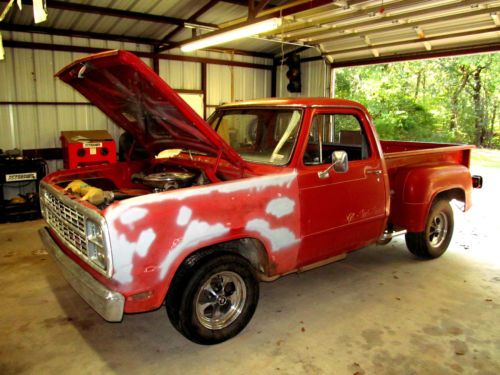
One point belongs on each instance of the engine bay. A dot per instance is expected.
(169, 170)
(156, 177)
(163, 178)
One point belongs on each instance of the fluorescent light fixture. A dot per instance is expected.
(39, 10)
(238, 33)
(190, 25)
(2, 51)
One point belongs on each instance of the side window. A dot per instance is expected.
(334, 132)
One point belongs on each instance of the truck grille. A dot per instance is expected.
(80, 228)
(67, 222)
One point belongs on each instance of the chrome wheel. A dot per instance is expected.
(433, 241)
(220, 300)
(438, 229)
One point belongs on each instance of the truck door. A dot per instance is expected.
(343, 211)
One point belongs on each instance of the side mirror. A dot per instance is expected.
(339, 164)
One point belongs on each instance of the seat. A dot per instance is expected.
(350, 137)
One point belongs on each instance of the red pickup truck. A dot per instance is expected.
(200, 212)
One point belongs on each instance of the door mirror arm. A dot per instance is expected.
(339, 164)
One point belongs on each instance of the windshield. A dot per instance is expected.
(263, 135)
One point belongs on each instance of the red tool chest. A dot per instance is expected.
(87, 147)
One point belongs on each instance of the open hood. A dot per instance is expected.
(140, 102)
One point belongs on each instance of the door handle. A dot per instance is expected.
(374, 171)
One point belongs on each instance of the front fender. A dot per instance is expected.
(151, 235)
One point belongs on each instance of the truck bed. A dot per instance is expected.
(419, 170)
(399, 154)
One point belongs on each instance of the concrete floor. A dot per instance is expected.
(380, 311)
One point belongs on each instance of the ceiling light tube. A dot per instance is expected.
(189, 25)
(227, 36)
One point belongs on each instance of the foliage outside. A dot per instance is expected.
(444, 100)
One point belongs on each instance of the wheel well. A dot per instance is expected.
(249, 248)
(451, 194)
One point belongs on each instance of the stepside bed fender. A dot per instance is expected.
(417, 187)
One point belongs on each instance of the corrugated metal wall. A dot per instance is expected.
(224, 83)
(181, 74)
(315, 80)
(28, 76)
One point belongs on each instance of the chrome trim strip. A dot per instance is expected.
(107, 303)
(88, 214)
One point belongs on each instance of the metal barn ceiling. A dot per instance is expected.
(346, 32)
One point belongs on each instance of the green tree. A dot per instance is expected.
(449, 100)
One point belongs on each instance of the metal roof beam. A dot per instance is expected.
(344, 20)
(191, 19)
(385, 19)
(63, 47)
(445, 52)
(381, 20)
(279, 57)
(75, 33)
(458, 16)
(104, 11)
(301, 12)
(339, 6)
(280, 11)
(255, 8)
(264, 55)
(243, 3)
(70, 48)
(413, 41)
(311, 20)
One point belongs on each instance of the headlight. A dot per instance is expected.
(41, 202)
(95, 244)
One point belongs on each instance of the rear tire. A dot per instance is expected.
(436, 237)
(216, 299)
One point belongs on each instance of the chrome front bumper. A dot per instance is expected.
(107, 303)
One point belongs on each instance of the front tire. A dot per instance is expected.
(217, 301)
(436, 237)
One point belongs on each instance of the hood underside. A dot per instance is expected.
(139, 101)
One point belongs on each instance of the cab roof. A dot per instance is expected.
(300, 102)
